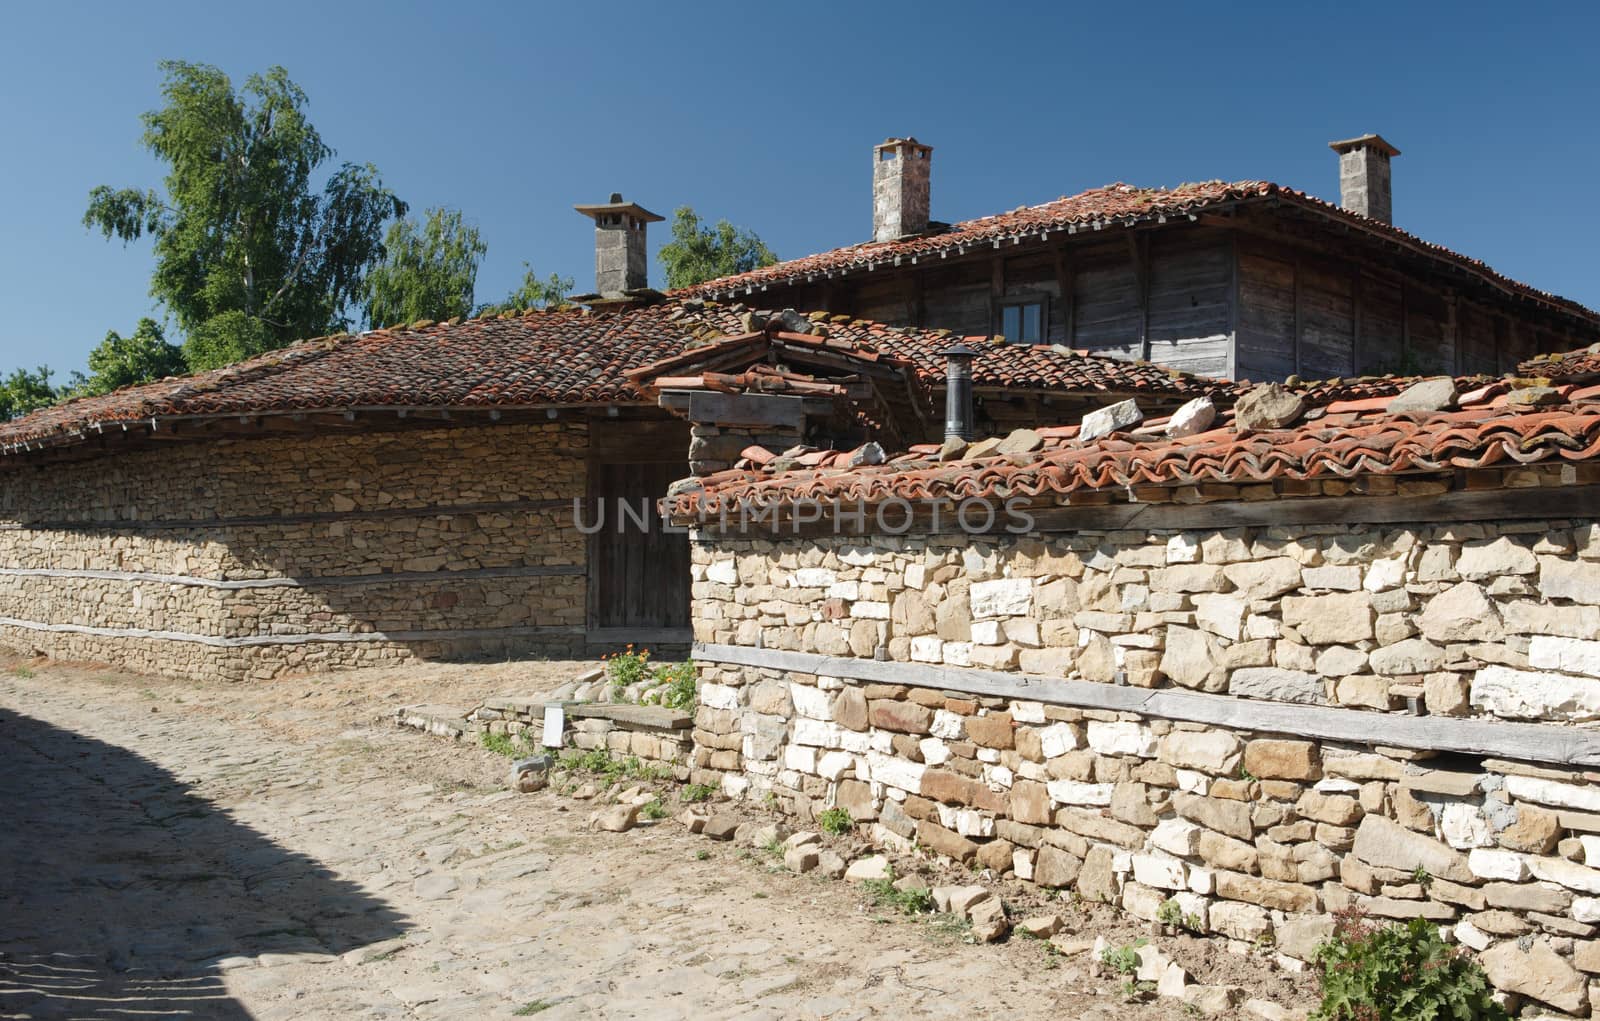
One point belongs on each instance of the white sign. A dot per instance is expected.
(554, 723)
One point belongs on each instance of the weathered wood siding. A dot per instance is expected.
(1190, 298)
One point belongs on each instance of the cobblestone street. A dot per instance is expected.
(259, 852)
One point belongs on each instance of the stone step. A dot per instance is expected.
(441, 720)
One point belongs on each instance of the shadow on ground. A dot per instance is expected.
(123, 894)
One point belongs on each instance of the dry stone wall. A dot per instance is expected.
(253, 558)
(1255, 832)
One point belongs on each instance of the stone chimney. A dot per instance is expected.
(621, 258)
(1364, 176)
(900, 188)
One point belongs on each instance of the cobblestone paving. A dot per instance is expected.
(191, 860)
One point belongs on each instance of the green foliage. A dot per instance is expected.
(127, 361)
(241, 228)
(532, 293)
(427, 272)
(1399, 973)
(696, 792)
(702, 855)
(504, 744)
(836, 821)
(24, 391)
(696, 253)
(532, 1007)
(1170, 914)
(679, 692)
(626, 668)
(1123, 960)
(654, 810)
(598, 760)
(1422, 877)
(915, 901)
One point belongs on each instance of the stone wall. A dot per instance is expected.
(251, 558)
(1262, 725)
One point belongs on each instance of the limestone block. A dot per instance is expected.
(1277, 684)
(1121, 738)
(1384, 843)
(1537, 972)
(1568, 655)
(1461, 613)
(1534, 695)
(1562, 578)
(1271, 759)
(1330, 619)
(1003, 597)
(1217, 752)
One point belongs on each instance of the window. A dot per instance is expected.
(1022, 320)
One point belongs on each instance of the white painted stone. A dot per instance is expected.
(1195, 416)
(1176, 836)
(986, 632)
(1471, 936)
(865, 609)
(1073, 792)
(1261, 626)
(800, 758)
(916, 576)
(946, 724)
(734, 785)
(849, 591)
(1220, 614)
(1058, 739)
(1027, 712)
(1565, 873)
(1462, 827)
(1530, 695)
(835, 765)
(893, 771)
(934, 751)
(1492, 864)
(1003, 597)
(812, 577)
(999, 778)
(1336, 785)
(1159, 872)
(1109, 419)
(1022, 863)
(1591, 849)
(1121, 738)
(988, 755)
(958, 653)
(1202, 880)
(858, 556)
(719, 696)
(1386, 574)
(1193, 782)
(723, 572)
(1586, 909)
(927, 649)
(1183, 549)
(815, 733)
(811, 702)
(1569, 655)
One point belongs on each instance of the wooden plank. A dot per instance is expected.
(754, 409)
(321, 638)
(1524, 741)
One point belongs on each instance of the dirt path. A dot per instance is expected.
(282, 851)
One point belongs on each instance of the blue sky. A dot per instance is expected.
(765, 114)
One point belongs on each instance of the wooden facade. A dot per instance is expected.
(1259, 294)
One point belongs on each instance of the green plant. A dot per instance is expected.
(836, 821)
(702, 855)
(1123, 960)
(626, 667)
(914, 901)
(504, 744)
(1398, 973)
(1246, 775)
(1422, 877)
(679, 692)
(532, 1007)
(654, 810)
(1170, 914)
(696, 792)
(23, 672)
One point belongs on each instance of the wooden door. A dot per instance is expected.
(638, 574)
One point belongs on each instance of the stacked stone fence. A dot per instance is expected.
(1262, 725)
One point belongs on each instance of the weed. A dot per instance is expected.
(626, 668)
(22, 672)
(836, 821)
(696, 792)
(1246, 775)
(1398, 972)
(1123, 960)
(1135, 990)
(758, 895)
(679, 692)
(916, 901)
(1170, 914)
(1422, 877)
(774, 848)
(654, 810)
(702, 855)
(532, 1007)
(598, 760)
(503, 744)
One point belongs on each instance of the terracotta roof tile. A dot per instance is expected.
(1338, 441)
(564, 357)
(1111, 205)
(1581, 364)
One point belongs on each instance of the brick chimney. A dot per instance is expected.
(621, 258)
(1364, 176)
(900, 188)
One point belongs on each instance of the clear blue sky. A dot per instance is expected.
(765, 114)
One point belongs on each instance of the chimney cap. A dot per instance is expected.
(909, 140)
(616, 205)
(1364, 142)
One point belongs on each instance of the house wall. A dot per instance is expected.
(252, 558)
(1265, 724)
